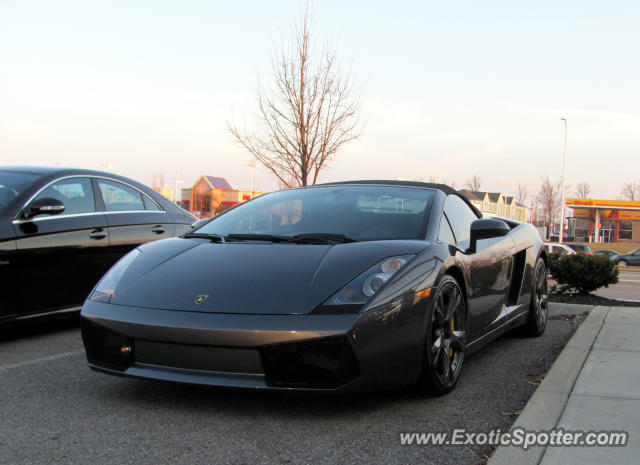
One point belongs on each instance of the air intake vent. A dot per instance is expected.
(315, 363)
(107, 348)
(517, 274)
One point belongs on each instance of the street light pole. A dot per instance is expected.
(564, 168)
(177, 197)
(252, 165)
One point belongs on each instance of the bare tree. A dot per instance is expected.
(474, 183)
(307, 113)
(583, 190)
(549, 200)
(522, 194)
(630, 191)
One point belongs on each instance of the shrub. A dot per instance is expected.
(582, 273)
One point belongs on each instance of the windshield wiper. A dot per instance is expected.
(212, 237)
(306, 238)
(323, 238)
(256, 237)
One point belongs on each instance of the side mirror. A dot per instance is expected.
(486, 228)
(46, 206)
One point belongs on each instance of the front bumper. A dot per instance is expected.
(337, 352)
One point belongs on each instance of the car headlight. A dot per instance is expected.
(107, 285)
(360, 289)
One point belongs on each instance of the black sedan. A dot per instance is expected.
(62, 229)
(336, 287)
(631, 258)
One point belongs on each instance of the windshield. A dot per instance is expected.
(12, 184)
(357, 212)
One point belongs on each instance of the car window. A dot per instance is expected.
(118, 197)
(360, 212)
(460, 217)
(445, 234)
(149, 204)
(12, 183)
(75, 193)
(559, 250)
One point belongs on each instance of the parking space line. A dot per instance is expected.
(40, 360)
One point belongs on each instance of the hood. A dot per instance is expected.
(247, 277)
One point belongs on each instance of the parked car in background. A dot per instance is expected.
(62, 229)
(562, 249)
(555, 237)
(581, 248)
(631, 258)
(606, 253)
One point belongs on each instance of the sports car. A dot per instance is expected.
(337, 287)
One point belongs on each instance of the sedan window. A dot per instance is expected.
(12, 183)
(118, 197)
(75, 193)
(150, 204)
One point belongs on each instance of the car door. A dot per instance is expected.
(8, 270)
(132, 216)
(60, 257)
(489, 268)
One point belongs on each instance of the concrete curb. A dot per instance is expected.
(558, 308)
(545, 407)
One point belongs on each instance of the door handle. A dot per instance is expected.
(98, 234)
(157, 229)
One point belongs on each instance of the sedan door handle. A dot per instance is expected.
(157, 230)
(98, 234)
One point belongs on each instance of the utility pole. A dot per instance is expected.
(252, 165)
(176, 188)
(564, 168)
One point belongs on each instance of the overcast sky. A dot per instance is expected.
(450, 89)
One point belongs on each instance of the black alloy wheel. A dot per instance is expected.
(445, 340)
(539, 307)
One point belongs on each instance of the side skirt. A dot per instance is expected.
(483, 340)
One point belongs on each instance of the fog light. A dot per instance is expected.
(126, 350)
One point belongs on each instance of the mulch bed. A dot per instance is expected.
(590, 300)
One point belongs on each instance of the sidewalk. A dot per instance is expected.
(594, 385)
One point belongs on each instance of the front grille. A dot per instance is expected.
(107, 348)
(315, 363)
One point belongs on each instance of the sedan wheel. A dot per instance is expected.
(622, 263)
(445, 339)
(539, 307)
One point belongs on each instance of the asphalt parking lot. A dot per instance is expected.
(55, 410)
(628, 287)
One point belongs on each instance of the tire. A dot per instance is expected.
(444, 346)
(623, 263)
(539, 306)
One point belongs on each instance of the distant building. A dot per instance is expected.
(496, 204)
(597, 220)
(212, 195)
